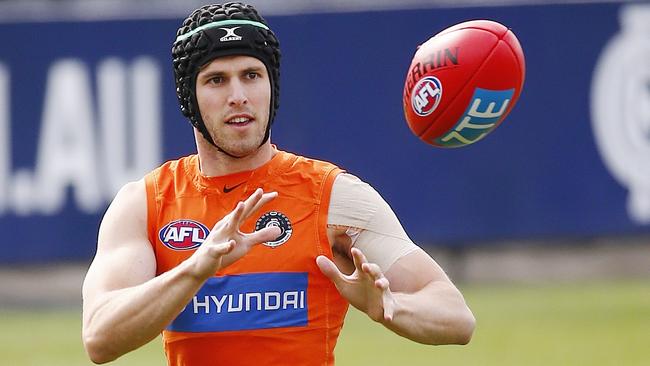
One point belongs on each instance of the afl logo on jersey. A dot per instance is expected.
(183, 234)
(278, 219)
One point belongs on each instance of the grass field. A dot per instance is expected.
(577, 324)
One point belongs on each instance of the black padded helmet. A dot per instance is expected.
(218, 30)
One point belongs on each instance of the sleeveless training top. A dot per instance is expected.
(273, 306)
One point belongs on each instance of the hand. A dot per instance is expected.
(226, 243)
(366, 289)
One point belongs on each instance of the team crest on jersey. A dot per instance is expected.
(278, 219)
(183, 234)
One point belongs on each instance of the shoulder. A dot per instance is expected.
(172, 166)
(307, 164)
(348, 181)
(356, 204)
(172, 176)
(130, 199)
(353, 202)
(127, 213)
(350, 187)
(315, 176)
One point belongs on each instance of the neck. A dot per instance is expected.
(215, 163)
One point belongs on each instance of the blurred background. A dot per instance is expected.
(544, 225)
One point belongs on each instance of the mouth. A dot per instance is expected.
(240, 120)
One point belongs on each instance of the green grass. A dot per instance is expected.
(577, 324)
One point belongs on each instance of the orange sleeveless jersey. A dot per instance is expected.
(273, 306)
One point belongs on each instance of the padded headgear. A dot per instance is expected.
(220, 30)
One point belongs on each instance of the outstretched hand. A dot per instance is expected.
(226, 243)
(367, 289)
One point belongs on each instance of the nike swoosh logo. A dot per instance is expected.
(227, 189)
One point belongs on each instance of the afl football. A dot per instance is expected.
(463, 82)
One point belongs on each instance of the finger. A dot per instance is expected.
(251, 201)
(329, 269)
(373, 270)
(262, 235)
(218, 250)
(358, 258)
(266, 198)
(382, 284)
(389, 305)
(227, 219)
(237, 216)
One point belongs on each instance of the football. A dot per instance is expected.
(463, 82)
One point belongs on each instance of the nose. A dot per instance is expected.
(237, 95)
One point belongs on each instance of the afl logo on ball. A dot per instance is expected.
(426, 95)
(278, 219)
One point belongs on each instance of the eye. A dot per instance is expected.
(216, 80)
(253, 75)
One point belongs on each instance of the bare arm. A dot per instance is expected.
(428, 308)
(125, 305)
(382, 273)
(415, 299)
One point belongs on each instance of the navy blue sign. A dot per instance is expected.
(87, 106)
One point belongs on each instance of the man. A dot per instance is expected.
(218, 295)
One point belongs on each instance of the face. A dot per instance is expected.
(234, 96)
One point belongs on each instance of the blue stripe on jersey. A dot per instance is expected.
(245, 302)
